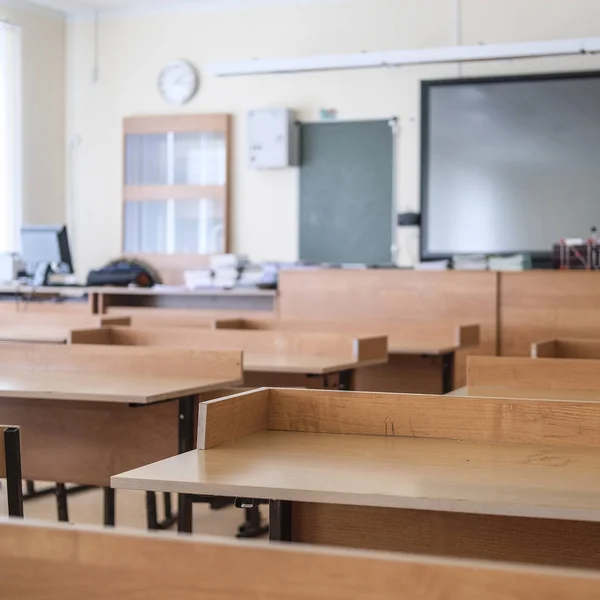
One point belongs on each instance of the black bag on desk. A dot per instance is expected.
(122, 273)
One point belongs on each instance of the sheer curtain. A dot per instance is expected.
(10, 137)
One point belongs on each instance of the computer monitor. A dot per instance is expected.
(46, 244)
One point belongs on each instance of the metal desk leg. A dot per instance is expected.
(346, 380)
(109, 507)
(14, 489)
(448, 373)
(61, 503)
(32, 492)
(280, 521)
(186, 443)
(151, 520)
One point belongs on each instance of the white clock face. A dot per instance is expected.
(178, 82)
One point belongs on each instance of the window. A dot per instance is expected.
(10, 137)
(176, 184)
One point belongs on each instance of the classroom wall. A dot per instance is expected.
(133, 47)
(43, 36)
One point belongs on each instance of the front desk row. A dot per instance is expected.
(444, 482)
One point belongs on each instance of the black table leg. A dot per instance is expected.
(151, 520)
(32, 492)
(448, 373)
(109, 507)
(14, 486)
(61, 503)
(346, 380)
(280, 521)
(186, 443)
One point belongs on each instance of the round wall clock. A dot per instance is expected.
(178, 82)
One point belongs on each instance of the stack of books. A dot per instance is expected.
(470, 262)
(517, 262)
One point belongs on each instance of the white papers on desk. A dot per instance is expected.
(470, 262)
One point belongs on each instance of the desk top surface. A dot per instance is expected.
(472, 477)
(301, 364)
(46, 334)
(176, 290)
(101, 387)
(528, 393)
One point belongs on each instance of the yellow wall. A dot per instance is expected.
(133, 48)
(43, 35)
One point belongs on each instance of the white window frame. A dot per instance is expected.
(11, 159)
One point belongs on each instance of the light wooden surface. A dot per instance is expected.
(386, 450)
(415, 349)
(175, 317)
(538, 374)
(451, 297)
(72, 563)
(566, 348)
(49, 328)
(240, 415)
(264, 351)
(404, 337)
(537, 481)
(87, 442)
(540, 305)
(113, 374)
(458, 535)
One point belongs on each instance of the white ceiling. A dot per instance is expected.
(108, 6)
(70, 6)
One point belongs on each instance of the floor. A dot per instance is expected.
(86, 508)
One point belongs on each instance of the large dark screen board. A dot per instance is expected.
(509, 164)
(346, 192)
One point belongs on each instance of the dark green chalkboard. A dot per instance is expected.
(346, 192)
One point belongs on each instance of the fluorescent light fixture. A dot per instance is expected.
(398, 58)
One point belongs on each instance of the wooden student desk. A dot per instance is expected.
(421, 353)
(494, 478)
(49, 328)
(108, 298)
(58, 563)
(558, 378)
(87, 411)
(290, 358)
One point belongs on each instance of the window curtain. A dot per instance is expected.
(10, 137)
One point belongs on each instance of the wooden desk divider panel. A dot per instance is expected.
(388, 294)
(566, 348)
(556, 376)
(10, 468)
(541, 305)
(49, 328)
(70, 562)
(364, 349)
(140, 362)
(496, 523)
(404, 337)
